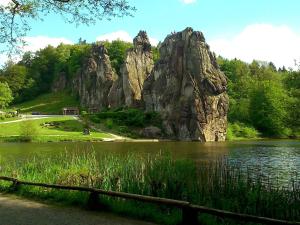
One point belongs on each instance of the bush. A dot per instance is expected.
(240, 130)
(109, 123)
(128, 117)
(7, 115)
(28, 130)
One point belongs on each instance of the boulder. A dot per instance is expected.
(188, 89)
(151, 132)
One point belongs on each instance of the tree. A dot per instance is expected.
(117, 52)
(15, 16)
(5, 95)
(292, 84)
(268, 108)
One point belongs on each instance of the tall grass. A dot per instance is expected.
(216, 184)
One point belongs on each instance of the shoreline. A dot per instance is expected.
(119, 139)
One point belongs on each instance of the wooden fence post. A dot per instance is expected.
(94, 201)
(15, 186)
(189, 216)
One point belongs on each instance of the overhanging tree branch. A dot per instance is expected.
(15, 16)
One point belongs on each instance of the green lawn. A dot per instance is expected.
(51, 103)
(64, 128)
(9, 119)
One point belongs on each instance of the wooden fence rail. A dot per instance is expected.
(189, 211)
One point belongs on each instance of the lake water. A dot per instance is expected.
(277, 159)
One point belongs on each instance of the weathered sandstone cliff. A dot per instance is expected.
(93, 82)
(138, 64)
(185, 86)
(188, 89)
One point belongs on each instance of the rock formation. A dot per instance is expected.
(94, 81)
(188, 89)
(60, 83)
(138, 64)
(185, 86)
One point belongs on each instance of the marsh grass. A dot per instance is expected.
(218, 184)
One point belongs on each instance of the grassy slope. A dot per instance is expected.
(66, 129)
(51, 103)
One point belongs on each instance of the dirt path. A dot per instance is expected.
(18, 211)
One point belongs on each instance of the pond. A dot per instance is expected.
(277, 160)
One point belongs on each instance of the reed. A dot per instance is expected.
(218, 184)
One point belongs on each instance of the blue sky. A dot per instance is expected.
(262, 29)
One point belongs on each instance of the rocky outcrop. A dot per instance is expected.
(138, 64)
(185, 86)
(188, 89)
(94, 81)
(60, 83)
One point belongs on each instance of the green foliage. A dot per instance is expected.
(109, 123)
(268, 109)
(48, 103)
(238, 131)
(16, 16)
(35, 73)
(117, 52)
(5, 95)
(28, 131)
(292, 83)
(77, 55)
(156, 55)
(218, 184)
(53, 129)
(129, 117)
(262, 97)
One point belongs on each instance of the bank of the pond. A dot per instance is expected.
(70, 129)
(216, 184)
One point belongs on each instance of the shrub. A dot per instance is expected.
(128, 117)
(240, 130)
(109, 123)
(28, 130)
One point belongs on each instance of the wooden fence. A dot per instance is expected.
(190, 212)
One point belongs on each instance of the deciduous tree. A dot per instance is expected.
(15, 15)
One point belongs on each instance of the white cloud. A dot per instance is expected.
(153, 41)
(39, 42)
(122, 35)
(5, 2)
(265, 42)
(3, 59)
(188, 1)
(118, 35)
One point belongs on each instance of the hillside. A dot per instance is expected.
(51, 103)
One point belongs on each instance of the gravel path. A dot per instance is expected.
(18, 211)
